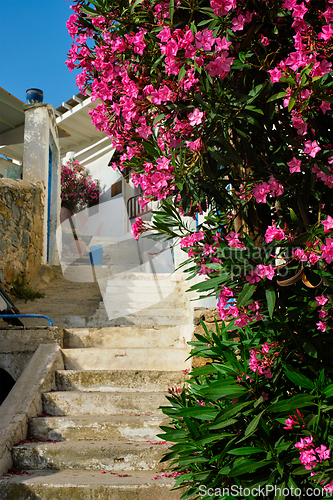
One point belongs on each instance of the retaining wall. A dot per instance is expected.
(21, 228)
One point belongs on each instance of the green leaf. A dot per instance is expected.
(328, 391)
(232, 410)
(294, 218)
(158, 118)
(199, 412)
(298, 378)
(182, 72)
(137, 2)
(245, 450)
(245, 294)
(271, 298)
(156, 63)
(300, 471)
(292, 102)
(298, 401)
(171, 10)
(248, 466)
(279, 95)
(149, 148)
(253, 425)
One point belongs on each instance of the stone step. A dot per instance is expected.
(89, 455)
(75, 403)
(136, 358)
(92, 485)
(133, 308)
(142, 284)
(102, 319)
(124, 336)
(97, 428)
(118, 380)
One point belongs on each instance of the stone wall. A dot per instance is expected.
(207, 315)
(21, 228)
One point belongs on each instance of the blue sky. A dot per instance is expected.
(34, 43)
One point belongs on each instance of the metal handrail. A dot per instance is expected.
(11, 316)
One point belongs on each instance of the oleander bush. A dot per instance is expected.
(222, 108)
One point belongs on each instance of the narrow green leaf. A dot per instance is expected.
(158, 118)
(245, 294)
(171, 10)
(298, 378)
(279, 95)
(248, 467)
(137, 2)
(253, 425)
(182, 72)
(271, 298)
(328, 391)
(149, 148)
(298, 401)
(245, 450)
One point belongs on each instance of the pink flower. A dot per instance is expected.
(294, 165)
(204, 40)
(299, 254)
(233, 240)
(195, 145)
(313, 258)
(326, 34)
(305, 444)
(328, 224)
(321, 326)
(308, 459)
(321, 300)
(311, 148)
(274, 232)
(276, 74)
(253, 277)
(220, 66)
(323, 452)
(264, 40)
(195, 117)
(325, 106)
(299, 11)
(327, 250)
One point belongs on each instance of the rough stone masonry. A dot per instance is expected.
(21, 228)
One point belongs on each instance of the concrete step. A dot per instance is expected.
(87, 455)
(124, 336)
(115, 428)
(118, 380)
(135, 309)
(102, 319)
(144, 283)
(88, 485)
(75, 403)
(136, 358)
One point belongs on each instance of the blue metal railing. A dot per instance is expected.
(11, 316)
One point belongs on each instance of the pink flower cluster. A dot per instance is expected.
(242, 316)
(156, 179)
(310, 456)
(272, 188)
(274, 232)
(139, 227)
(261, 360)
(295, 421)
(260, 272)
(326, 178)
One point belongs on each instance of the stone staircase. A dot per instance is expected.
(96, 438)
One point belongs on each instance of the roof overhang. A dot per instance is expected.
(76, 130)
